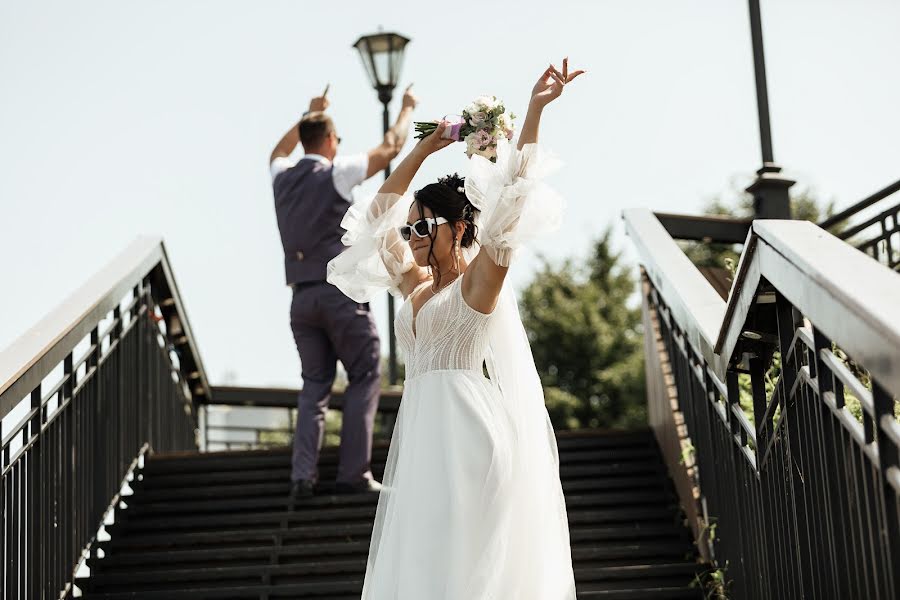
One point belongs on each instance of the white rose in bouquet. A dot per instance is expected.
(487, 102)
(478, 118)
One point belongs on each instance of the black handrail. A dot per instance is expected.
(877, 236)
(130, 383)
(860, 206)
(706, 228)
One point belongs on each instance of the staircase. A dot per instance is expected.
(217, 526)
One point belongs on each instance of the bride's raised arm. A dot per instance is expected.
(548, 88)
(377, 257)
(509, 220)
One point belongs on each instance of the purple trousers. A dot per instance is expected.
(328, 326)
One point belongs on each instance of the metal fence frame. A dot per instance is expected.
(804, 505)
(130, 383)
(879, 235)
(219, 437)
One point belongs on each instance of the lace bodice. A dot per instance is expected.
(449, 333)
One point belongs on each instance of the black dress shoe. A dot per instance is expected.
(302, 488)
(361, 487)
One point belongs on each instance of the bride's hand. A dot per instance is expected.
(434, 142)
(550, 85)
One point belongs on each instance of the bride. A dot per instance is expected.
(471, 506)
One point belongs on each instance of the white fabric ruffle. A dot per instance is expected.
(377, 257)
(515, 205)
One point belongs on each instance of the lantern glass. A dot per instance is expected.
(382, 57)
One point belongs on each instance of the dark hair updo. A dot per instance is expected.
(447, 198)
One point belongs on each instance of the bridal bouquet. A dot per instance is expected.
(483, 123)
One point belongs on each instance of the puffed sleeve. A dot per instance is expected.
(516, 205)
(376, 257)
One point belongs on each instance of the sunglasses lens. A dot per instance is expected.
(405, 232)
(422, 228)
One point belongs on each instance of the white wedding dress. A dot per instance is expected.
(472, 506)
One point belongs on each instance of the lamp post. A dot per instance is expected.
(770, 189)
(382, 57)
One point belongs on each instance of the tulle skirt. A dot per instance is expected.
(458, 518)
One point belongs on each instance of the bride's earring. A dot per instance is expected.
(456, 267)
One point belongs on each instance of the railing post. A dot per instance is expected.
(35, 579)
(732, 401)
(758, 389)
(889, 462)
(3, 525)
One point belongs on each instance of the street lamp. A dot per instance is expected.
(771, 199)
(382, 57)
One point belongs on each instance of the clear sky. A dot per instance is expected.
(120, 118)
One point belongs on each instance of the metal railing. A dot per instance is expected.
(247, 418)
(877, 235)
(111, 374)
(801, 493)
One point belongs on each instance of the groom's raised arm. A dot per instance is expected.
(381, 155)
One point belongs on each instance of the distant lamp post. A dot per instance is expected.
(771, 199)
(382, 57)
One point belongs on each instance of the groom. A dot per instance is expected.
(311, 197)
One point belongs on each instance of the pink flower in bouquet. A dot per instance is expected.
(483, 122)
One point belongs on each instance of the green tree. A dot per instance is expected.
(587, 341)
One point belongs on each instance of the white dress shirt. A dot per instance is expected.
(347, 172)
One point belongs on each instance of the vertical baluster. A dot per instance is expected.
(894, 259)
(835, 440)
(794, 429)
(816, 512)
(16, 557)
(889, 459)
(886, 240)
(5, 526)
(34, 499)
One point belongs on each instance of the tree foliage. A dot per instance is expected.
(587, 340)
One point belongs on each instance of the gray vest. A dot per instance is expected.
(309, 211)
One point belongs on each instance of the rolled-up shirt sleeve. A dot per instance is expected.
(280, 165)
(348, 172)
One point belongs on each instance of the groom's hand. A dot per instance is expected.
(410, 100)
(319, 104)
